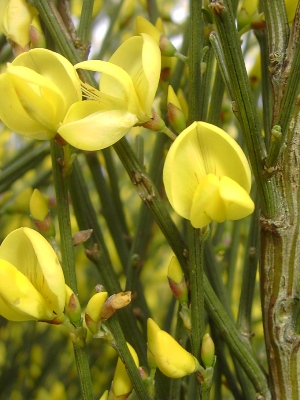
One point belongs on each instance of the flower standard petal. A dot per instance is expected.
(140, 57)
(19, 299)
(99, 129)
(34, 257)
(57, 69)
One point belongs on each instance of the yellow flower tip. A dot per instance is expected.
(114, 303)
(177, 281)
(32, 285)
(172, 97)
(172, 359)
(207, 176)
(291, 6)
(38, 205)
(208, 351)
(72, 308)
(104, 396)
(175, 271)
(121, 383)
(93, 311)
(144, 26)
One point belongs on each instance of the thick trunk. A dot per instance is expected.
(280, 277)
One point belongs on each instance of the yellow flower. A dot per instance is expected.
(207, 176)
(121, 383)
(127, 89)
(32, 285)
(16, 18)
(39, 88)
(172, 359)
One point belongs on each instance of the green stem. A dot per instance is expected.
(63, 214)
(125, 355)
(195, 58)
(68, 259)
(196, 257)
(84, 29)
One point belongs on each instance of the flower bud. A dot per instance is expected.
(93, 311)
(72, 308)
(37, 37)
(82, 236)
(175, 113)
(177, 281)
(156, 123)
(208, 351)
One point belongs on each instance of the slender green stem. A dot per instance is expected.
(84, 29)
(196, 257)
(195, 58)
(108, 208)
(63, 213)
(125, 355)
(68, 259)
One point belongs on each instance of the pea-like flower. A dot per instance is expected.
(207, 176)
(32, 285)
(172, 359)
(128, 86)
(39, 88)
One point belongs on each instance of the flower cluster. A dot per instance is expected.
(44, 94)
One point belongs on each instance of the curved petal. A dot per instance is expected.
(57, 69)
(121, 383)
(38, 97)
(98, 130)
(34, 257)
(172, 359)
(140, 57)
(201, 149)
(13, 114)
(207, 205)
(19, 300)
(237, 201)
(151, 61)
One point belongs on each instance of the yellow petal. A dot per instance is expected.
(57, 69)
(142, 25)
(19, 300)
(38, 96)
(172, 98)
(219, 200)
(99, 129)
(121, 382)
(172, 359)
(13, 114)
(140, 57)
(237, 201)
(17, 18)
(34, 257)
(199, 150)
